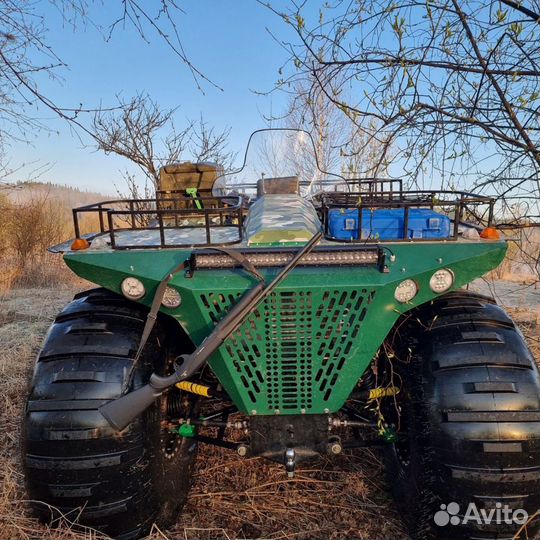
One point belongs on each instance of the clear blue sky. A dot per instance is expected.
(226, 39)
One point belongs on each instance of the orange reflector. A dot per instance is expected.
(80, 243)
(489, 233)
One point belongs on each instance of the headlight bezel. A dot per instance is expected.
(131, 284)
(169, 295)
(413, 288)
(437, 276)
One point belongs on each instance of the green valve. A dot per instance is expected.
(186, 430)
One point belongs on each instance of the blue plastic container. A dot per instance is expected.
(387, 224)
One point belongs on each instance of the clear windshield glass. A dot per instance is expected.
(279, 159)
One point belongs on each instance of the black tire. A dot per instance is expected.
(470, 408)
(117, 482)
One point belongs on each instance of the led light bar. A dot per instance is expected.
(268, 259)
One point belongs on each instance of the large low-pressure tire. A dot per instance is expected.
(470, 409)
(117, 482)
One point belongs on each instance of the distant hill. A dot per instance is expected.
(68, 196)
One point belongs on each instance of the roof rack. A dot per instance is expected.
(460, 206)
(168, 222)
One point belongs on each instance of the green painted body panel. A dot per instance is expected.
(308, 343)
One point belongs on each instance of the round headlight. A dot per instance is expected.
(441, 280)
(133, 288)
(171, 298)
(406, 291)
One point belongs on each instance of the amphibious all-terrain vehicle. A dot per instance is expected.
(284, 314)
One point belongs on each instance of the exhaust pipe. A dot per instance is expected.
(120, 412)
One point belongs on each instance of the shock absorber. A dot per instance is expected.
(194, 388)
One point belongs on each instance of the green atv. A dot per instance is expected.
(285, 314)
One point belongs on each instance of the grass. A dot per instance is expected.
(235, 498)
(24, 317)
(232, 497)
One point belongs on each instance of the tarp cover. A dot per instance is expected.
(277, 219)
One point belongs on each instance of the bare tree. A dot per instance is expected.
(315, 113)
(452, 87)
(142, 132)
(25, 54)
(349, 148)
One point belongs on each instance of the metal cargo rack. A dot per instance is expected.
(459, 206)
(211, 214)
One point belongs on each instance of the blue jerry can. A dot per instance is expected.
(387, 224)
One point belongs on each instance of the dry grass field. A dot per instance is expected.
(232, 497)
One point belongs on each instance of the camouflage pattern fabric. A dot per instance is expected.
(281, 219)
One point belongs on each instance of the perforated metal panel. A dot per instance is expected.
(288, 355)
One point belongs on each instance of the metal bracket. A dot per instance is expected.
(290, 462)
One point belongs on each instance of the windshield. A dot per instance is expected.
(279, 160)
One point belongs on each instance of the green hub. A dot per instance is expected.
(187, 430)
(305, 347)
